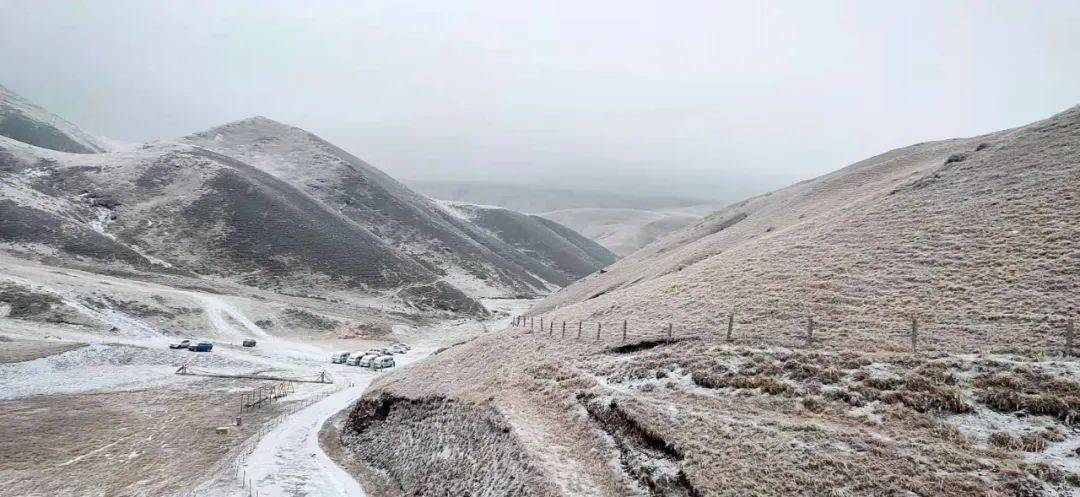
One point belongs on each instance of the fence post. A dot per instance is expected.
(541, 323)
(551, 328)
(1069, 329)
(597, 331)
(624, 330)
(579, 330)
(531, 321)
(669, 332)
(730, 325)
(810, 332)
(564, 329)
(914, 335)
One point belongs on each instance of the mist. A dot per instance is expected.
(710, 100)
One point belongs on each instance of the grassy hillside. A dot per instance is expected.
(975, 237)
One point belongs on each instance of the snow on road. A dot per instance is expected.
(288, 460)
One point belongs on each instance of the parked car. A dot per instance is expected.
(182, 344)
(201, 346)
(248, 342)
(354, 359)
(339, 357)
(365, 362)
(383, 362)
(399, 348)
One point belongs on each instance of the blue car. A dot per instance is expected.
(201, 346)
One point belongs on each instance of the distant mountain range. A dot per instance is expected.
(621, 223)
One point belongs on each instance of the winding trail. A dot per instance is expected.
(289, 462)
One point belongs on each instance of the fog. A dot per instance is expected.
(705, 99)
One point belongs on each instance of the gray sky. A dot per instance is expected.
(706, 99)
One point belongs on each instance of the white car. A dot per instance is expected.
(182, 344)
(354, 358)
(365, 362)
(339, 357)
(383, 362)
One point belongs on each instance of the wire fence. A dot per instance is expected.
(239, 455)
(911, 334)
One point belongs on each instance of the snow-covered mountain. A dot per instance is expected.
(553, 244)
(24, 121)
(262, 204)
(442, 242)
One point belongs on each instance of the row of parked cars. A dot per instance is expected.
(193, 345)
(375, 359)
(203, 345)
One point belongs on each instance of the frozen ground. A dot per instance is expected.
(86, 366)
(288, 460)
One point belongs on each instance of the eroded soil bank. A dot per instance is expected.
(439, 446)
(517, 413)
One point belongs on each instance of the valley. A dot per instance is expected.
(397, 249)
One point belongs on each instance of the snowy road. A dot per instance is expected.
(288, 460)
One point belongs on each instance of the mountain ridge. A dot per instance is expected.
(262, 203)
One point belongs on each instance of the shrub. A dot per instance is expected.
(1002, 400)
(1002, 439)
(955, 158)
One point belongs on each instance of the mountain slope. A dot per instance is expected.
(177, 208)
(977, 238)
(23, 121)
(969, 233)
(547, 241)
(273, 206)
(443, 243)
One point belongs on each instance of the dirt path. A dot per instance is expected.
(288, 461)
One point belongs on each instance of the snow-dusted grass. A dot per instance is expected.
(981, 251)
(756, 420)
(980, 247)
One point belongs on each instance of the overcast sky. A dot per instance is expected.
(708, 99)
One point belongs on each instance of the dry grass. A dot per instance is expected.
(755, 421)
(28, 350)
(982, 250)
(148, 442)
(979, 250)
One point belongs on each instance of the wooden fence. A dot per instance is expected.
(912, 333)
